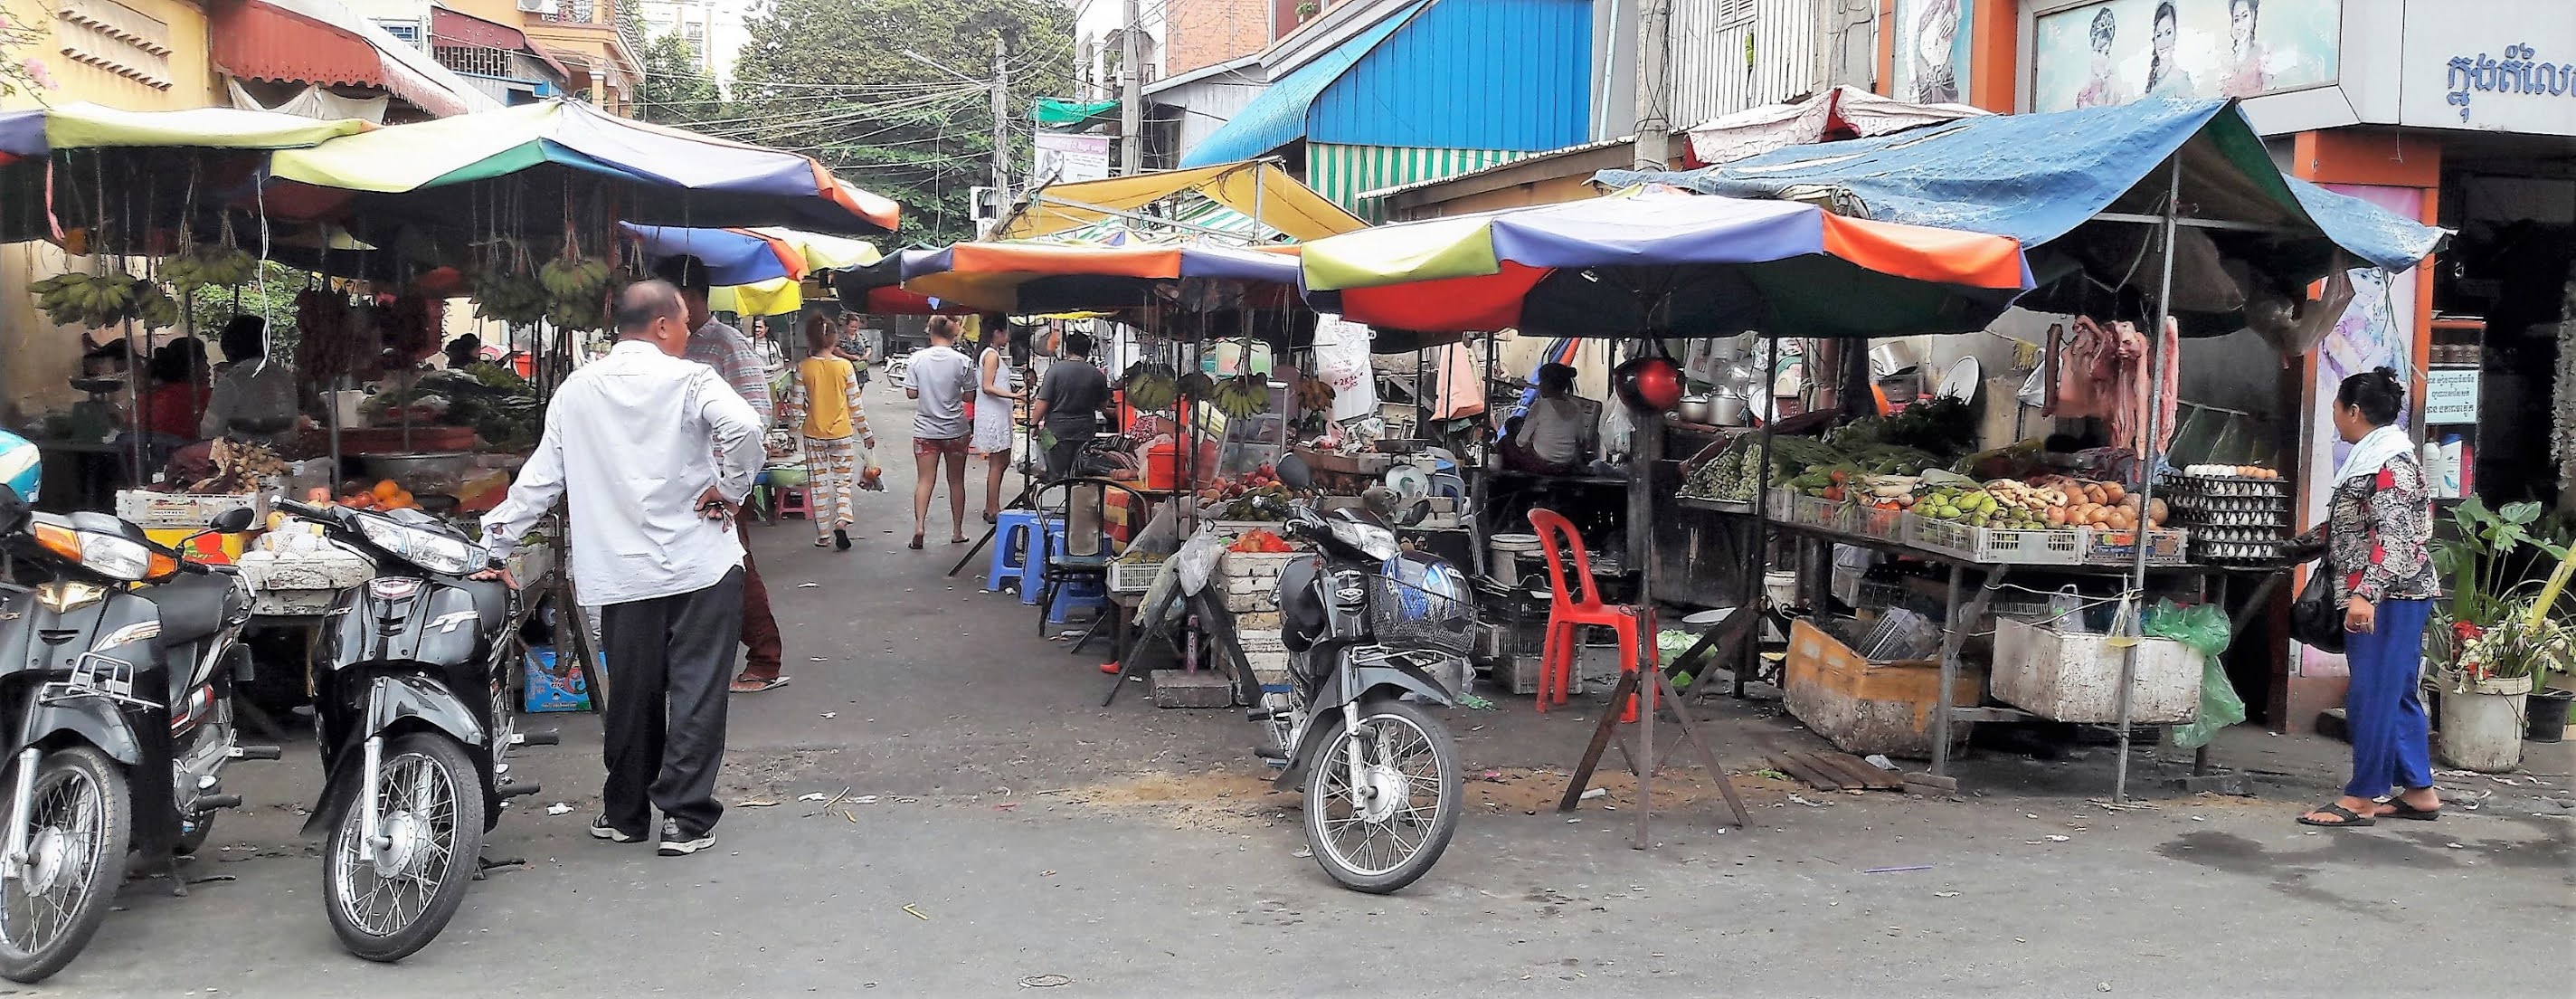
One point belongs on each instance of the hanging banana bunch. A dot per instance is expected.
(1241, 396)
(207, 264)
(1314, 395)
(100, 302)
(1150, 387)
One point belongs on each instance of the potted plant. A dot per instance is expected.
(2496, 640)
(1306, 11)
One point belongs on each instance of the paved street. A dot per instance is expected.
(1011, 830)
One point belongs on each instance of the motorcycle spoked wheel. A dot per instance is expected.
(430, 800)
(79, 823)
(1390, 832)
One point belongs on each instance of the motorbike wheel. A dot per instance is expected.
(1379, 838)
(386, 905)
(79, 823)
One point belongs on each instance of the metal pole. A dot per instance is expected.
(2150, 455)
(1654, 129)
(1001, 128)
(1758, 559)
(1131, 92)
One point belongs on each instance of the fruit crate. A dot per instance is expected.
(2009, 546)
(2165, 546)
(1814, 511)
(1132, 577)
(1886, 525)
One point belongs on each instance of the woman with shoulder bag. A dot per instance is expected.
(2378, 535)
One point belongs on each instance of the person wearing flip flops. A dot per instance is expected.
(824, 404)
(938, 382)
(2378, 533)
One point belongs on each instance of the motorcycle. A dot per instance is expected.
(414, 725)
(1369, 629)
(116, 674)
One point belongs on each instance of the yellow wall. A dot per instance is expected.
(37, 358)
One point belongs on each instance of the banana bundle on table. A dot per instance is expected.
(103, 302)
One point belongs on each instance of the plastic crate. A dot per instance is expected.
(1813, 511)
(1132, 577)
(1995, 544)
(1888, 525)
(2165, 546)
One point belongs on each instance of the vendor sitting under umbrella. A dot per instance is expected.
(256, 396)
(1556, 434)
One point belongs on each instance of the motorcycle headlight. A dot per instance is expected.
(429, 550)
(105, 554)
(1377, 542)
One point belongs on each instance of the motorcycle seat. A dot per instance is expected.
(191, 606)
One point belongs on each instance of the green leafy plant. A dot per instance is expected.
(2484, 562)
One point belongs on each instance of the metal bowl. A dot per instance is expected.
(1697, 409)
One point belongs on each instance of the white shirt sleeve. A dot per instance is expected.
(736, 428)
(539, 485)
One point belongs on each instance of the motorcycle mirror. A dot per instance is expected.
(14, 511)
(233, 521)
(1293, 473)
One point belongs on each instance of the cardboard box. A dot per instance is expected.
(1866, 707)
(545, 686)
(155, 511)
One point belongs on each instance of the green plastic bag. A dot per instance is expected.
(2203, 627)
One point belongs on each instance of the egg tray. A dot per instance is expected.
(2236, 551)
(2275, 520)
(2227, 487)
(2245, 535)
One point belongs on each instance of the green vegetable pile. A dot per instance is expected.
(1940, 425)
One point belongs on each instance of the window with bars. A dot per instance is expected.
(473, 59)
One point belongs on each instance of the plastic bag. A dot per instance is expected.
(1197, 559)
(1615, 431)
(2204, 628)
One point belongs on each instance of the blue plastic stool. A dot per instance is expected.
(1072, 594)
(1017, 551)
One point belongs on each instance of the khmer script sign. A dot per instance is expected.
(2506, 66)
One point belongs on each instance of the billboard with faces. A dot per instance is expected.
(2116, 51)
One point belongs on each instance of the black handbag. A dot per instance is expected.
(2316, 617)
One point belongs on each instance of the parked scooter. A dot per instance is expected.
(1369, 628)
(117, 702)
(415, 728)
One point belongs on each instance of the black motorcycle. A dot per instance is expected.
(1370, 628)
(410, 701)
(117, 660)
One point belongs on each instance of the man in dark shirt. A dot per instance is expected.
(1069, 401)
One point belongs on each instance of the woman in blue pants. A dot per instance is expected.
(2378, 534)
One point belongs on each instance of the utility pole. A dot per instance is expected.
(1001, 128)
(1654, 95)
(1131, 92)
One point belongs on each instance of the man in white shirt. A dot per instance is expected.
(652, 453)
(1555, 436)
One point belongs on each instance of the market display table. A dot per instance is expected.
(1961, 605)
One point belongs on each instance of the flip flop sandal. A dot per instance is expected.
(822, 542)
(2350, 819)
(840, 539)
(916, 543)
(2399, 809)
(759, 685)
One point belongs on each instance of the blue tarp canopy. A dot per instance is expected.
(2037, 177)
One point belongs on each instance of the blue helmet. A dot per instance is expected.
(22, 468)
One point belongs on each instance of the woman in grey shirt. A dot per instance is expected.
(939, 379)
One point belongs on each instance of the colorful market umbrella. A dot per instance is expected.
(1025, 277)
(1659, 261)
(143, 168)
(661, 175)
(757, 272)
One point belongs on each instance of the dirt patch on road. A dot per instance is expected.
(1213, 800)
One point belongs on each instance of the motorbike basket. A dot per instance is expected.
(1406, 616)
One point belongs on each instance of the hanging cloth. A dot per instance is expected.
(314, 102)
(1461, 385)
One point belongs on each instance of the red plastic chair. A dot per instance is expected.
(1570, 608)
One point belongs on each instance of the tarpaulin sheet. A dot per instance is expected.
(2035, 177)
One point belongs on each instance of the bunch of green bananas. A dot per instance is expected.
(576, 292)
(1150, 387)
(207, 264)
(1241, 396)
(102, 302)
(510, 295)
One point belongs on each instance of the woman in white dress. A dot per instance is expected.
(994, 402)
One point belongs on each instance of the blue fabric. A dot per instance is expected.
(2391, 736)
(1279, 115)
(2035, 177)
(731, 257)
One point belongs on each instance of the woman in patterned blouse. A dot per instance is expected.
(2378, 534)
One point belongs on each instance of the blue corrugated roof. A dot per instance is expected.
(1469, 74)
(1278, 116)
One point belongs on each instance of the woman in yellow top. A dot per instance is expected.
(826, 399)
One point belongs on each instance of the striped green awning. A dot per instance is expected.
(1343, 173)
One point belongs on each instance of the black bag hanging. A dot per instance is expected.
(2316, 617)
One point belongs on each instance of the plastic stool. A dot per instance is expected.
(792, 502)
(1076, 594)
(1015, 535)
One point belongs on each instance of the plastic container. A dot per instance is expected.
(1995, 544)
